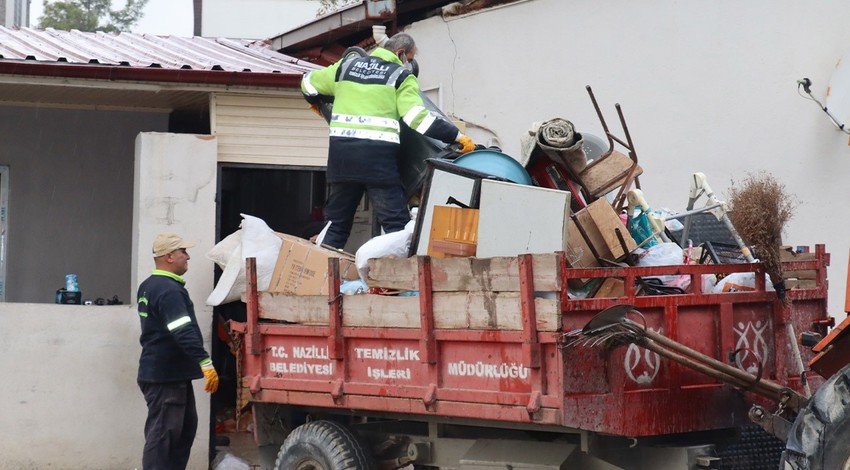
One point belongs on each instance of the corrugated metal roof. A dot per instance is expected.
(144, 50)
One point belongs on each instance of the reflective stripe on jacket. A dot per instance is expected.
(371, 95)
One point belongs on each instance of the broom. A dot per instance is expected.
(760, 209)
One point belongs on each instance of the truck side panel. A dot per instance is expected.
(504, 363)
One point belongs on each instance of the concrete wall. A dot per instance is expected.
(70, 396)
(704, 86)
(174, 191)
(71, 199)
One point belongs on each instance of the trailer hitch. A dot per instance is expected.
(612, 328)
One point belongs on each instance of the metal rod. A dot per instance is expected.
(712, 362)
(753, 385)
(693, 212)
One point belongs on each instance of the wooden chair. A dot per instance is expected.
(612, 170)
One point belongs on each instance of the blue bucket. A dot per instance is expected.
(494, 163)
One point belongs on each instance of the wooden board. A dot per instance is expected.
(500, 274)
(608, 173)
(800, 284)
(802, 274)
(611, 287)
(598, 223)
(452, 310)
(786, 255)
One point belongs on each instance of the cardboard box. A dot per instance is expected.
(302, 267)
(611, 288)
(599, 224)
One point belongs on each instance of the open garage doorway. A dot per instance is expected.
(290, 200)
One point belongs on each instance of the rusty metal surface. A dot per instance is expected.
(490, 375)
(144, 50)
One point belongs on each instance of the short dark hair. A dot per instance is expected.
(401, 41)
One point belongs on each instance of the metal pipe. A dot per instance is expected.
(693, 212)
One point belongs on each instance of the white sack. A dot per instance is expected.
(223, 250)
(257, 241)
(394, 244)
(740, 282)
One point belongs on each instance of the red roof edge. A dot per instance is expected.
(152, 74)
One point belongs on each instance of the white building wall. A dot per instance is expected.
(14, 12)
(704, 86)
(256, 19)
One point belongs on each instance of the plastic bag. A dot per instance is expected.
(353, 287)
(394, 244)
(666, 254)
(227, 461)
(740, 282)
(640, 229)
(258, 241)
(662, 254)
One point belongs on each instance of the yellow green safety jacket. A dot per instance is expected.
(372, 95)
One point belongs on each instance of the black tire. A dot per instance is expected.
(322, 445)
(820, 436)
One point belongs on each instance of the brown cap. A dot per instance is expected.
(165, 243)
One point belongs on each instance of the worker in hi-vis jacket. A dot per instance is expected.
(371, 95)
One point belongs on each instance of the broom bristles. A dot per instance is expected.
(760, 208)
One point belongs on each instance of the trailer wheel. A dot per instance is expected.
(322, 445)
(819, 436)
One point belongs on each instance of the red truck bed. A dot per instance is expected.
(484, 340)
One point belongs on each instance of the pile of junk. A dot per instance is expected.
(569, 192)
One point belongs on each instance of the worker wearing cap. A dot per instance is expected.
(172, 356)
(371, 96)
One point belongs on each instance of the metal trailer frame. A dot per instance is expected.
(531, 381)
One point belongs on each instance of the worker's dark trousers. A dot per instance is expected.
(387, 201)
(171, 425)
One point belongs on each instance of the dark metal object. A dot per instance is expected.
(632, 175)
(754, 449)
(612, 327)
(770, 422)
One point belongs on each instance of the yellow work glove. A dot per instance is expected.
(467, 145)
(210, 376)
(316, 110)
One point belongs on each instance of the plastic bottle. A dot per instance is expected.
(71, 283)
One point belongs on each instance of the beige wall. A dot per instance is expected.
(276, 129)
(705, 87)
